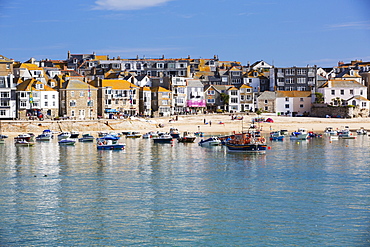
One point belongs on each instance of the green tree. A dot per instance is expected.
(225, 99)
(319, 98)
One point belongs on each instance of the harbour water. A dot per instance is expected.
(300, 193)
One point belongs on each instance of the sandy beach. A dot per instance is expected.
(207, 123)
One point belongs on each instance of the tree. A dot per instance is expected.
(225, 99)
(319, 98)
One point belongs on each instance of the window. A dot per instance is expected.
(287, 99)
(351, 91)
(242, 97)
(266, 108)
(363, 104)
(210, 101)
(4, 103)
(301, 99)
(2, 113)
(90, 103)
(266, 101)
(46, 96)
(45, 103)
(23, 104)
(72, 93)
(54, 104)
(286, 106)
(82, 93)
(160, 65)
(165, 95)
(301, 80)
(211, 92)
(301, 88)
(164, 102)
(234, 100)
(361, 92)
(332, 92)
(234, 92)
(301, 106)
(72, 103)
(301, 71)
(289, 80)
(72, 113)
(4, 95)
(289, 71)
(342, 92)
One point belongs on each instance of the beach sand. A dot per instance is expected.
(207, 123)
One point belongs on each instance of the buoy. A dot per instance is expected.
(269, 148)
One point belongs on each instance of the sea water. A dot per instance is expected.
(300, 193)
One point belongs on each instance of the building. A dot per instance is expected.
(8, 109)
(293, 103)
(161, 101)
(145, 101)
(195, 101)
(293, 79)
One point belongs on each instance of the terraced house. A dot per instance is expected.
(7, 89)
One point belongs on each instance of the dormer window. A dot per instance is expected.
(39, 86)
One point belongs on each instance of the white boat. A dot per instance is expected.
(45, 136)
(147, 136)
(64, 135)
(24, 143)
(301, 134)
(67, 142)
(86, 138)
(165, 138)
(212, 141)
(346, 134)
(361, 131)
(330, 131)
(134, 134)
(74, 134)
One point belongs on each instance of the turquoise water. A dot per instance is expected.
(300, 193)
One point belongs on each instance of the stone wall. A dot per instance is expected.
(323, 110)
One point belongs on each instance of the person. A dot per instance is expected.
(204, 121)
(210, 123)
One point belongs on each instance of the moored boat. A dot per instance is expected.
(64, 135)
(86, 138)
(361, 131)
(212, 141)
(164, 138)
(174, 133)
(67, 142)
(24, 143)
(187, 137)
(301, 134)
(276, 136)
(103, 144)
(134, 134)
(246, 142)
(74, 134)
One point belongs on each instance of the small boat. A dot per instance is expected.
(74, 134)
(174, 133)
(134, 134)
(2, 140)
(86, 138)
(187, 138)
(330, 131)
(276, 136)
(3, 136)
(164, 138)
(212, 141)
(147, 136)
(198, 133)
(111, 136)
(346, 134)
(64, 135)
(247, 142)
(27, 137)
(67, 142)
(24, 143)
(102, 133)
(361, 131)
(301, 134)
(103, 144)
(45, 136)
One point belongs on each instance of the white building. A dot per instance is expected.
(293, 103)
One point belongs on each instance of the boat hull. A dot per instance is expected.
(111, 147)
(162, 140)
(255, 148)
(187, 139)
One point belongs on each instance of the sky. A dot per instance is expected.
(283, 33)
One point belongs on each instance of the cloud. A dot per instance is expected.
(127, 4)
(357, 25)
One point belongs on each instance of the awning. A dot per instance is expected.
(111, 110)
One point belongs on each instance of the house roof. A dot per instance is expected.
(267, 95)
(292, 94)
(358, 97)
(31, 83)
(76, 84)
(341, 84)
(118, 84)
(160, 89)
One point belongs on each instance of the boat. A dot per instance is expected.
(164, 138)
(147, 136)
(346, 134)
(330, 131)
(26, 136)
(276, 136)
(64, 135)
(187, 137)
(246, 142)
(103, 144)
(174, 133)
(212, 141)
(301, 134)
(67, 142)
(110, 136)
(74, 134)
(86, 138)
(23, 143)
(45, 136)
(361, 131)
(199, 133)
(102, 133)
(134, 134)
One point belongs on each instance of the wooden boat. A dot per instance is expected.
(67, 142)
(212, 141)
(246, 142)
(109, 145)
(187, 138)
(165, 138)
(86, 138)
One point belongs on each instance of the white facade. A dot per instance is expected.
(293, 103)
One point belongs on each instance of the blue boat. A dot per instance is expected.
(109, 145)
(276, 136)
(246, 142)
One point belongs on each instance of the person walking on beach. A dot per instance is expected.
(204, 121)
(210, 123)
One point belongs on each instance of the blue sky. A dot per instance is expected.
(280, 32)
